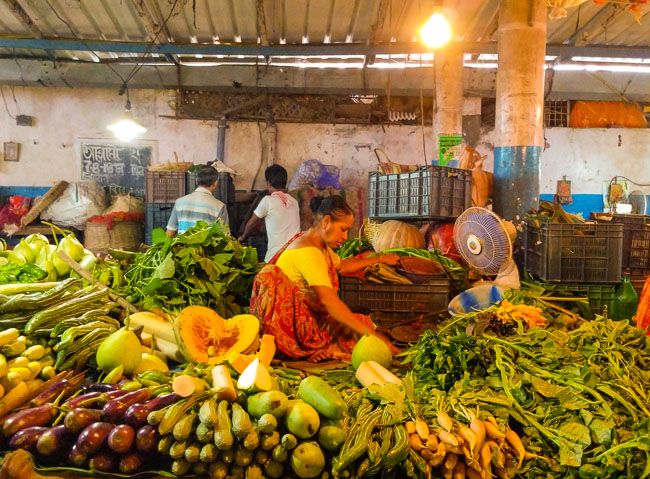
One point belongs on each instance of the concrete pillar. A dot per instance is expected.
(519, 106)
(448, 112)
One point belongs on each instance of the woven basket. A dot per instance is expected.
(369, 229)
(126, 235)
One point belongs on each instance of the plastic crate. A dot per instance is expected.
(427, 193)
(225, 191)
(575, 253)
(636, 240)
(164, 186)
(637, 277)
(600, 295)
(389, 304)
(156, 216)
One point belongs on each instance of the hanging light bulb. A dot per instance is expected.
(436, 32)
(126, 128)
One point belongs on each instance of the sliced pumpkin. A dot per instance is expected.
(205, 337)
(267, 349)
(239, 362)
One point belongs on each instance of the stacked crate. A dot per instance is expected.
(635, 262)
(582, 258)
(427, 194)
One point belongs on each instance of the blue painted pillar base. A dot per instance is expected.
(516, 180)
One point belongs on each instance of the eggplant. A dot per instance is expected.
(26, 438)
(136, 414)
(120, 439)
(35, 416)
(103, 461)
(146, 439)
(92, 437)
(99, 387)
(114, 410)
(131, 463)
(79, 418)
(54, 441)
(76, 458)
(94, 399)
(52, 392)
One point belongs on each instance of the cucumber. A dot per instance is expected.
(321, 396)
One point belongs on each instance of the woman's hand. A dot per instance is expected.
(390, 259)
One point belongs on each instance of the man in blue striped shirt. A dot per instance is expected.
(200, 205)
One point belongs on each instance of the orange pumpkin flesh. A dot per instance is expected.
(200, 330)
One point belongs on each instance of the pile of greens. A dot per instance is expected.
(353, 247)
(580, 399)
(204, 266)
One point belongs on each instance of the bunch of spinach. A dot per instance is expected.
(580, 398)
(204, 266)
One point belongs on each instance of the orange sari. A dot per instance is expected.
(642, 317)
(292, 313)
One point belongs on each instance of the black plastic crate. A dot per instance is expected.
(427, 193)
(636, 240)
(389, 304)
(225, 191)
(575, 253)
(600, 295)
(156, 216)
(164, 186)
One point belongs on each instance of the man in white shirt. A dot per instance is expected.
(280, 212)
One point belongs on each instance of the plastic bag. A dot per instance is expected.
(125, 203)
(76, 204)
(314, 173)
(605, 114)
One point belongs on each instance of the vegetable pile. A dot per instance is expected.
(204, 266)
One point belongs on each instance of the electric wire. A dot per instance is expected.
(5, 102)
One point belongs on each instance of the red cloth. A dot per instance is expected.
(293, 315)
(117, 216)
(642, 318)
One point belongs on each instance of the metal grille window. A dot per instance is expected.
(556, 113)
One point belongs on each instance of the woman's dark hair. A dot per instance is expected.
(206, 176)
(277, 176)
(334, 206)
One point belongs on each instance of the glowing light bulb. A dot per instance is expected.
(126, 128)
(436, 32)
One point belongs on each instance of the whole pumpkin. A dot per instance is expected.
(396, 234)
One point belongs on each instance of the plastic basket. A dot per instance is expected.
(389, 304)
(156, 216)
(575, 253)
(636, 240)
(225, 191)
(125, 235)
(600, 295)
(427, 193)
(164, 186)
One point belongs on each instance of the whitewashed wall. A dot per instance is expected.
(64, 116)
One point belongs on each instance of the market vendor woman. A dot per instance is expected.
(295, 295)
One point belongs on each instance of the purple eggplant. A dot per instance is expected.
(54, 441)
(92, 437)
(103, 461)
(120, 439)
(76, 458)
(35, 416)
(146, 439)
(99, 387)
(115, 409)
(79, 418)
(136, 414)
(94, 399)
(131, 463)
(62, 388)
(27, 438)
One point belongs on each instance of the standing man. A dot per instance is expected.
(279, 210)
(200, 205)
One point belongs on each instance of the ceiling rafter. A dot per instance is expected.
(26, 21)
(261, 22)
(152, 27)
(377, 27)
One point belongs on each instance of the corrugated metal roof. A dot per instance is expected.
(294, 22)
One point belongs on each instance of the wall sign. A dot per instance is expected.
(120, 167)
(12, 150)
(448, 148)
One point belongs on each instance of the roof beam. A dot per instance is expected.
(151, 27)
(261, 22)
(611, 51)
(376, 28)
(26, 21)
